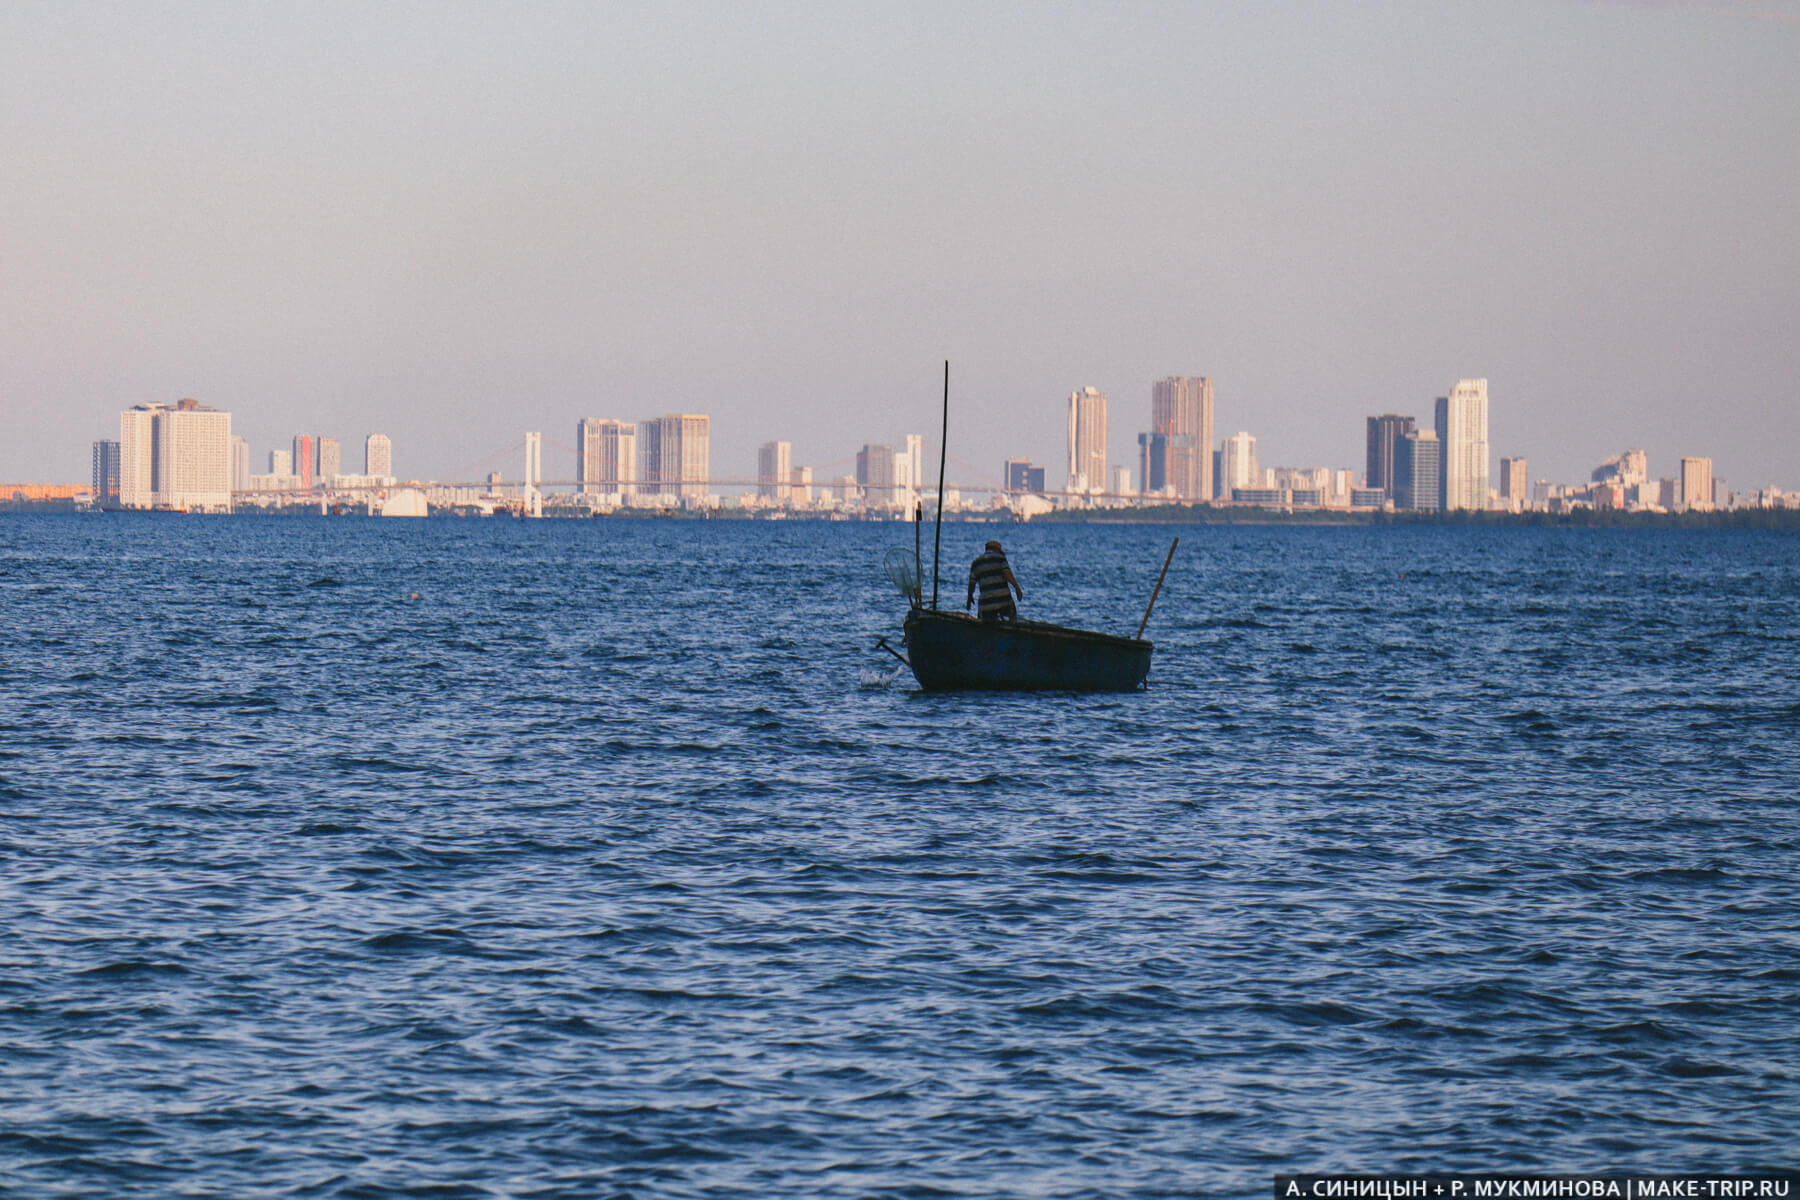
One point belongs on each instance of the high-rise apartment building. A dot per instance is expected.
(281, 462)
(775, 472)
(1418, 471)
(1022, 475)
(696, 454)
(106, 474)
(175, 457)
(240, 464)
(331, 461)
(1696, 484)
(649, 452)
(1237, 464)
(305, 462)
(378, 456)
(137, 456)
(1384, 432)
(607, 457)
(875, 474)
(915, 456)
(1462, 430)
(1179, 451)
(1515, 485)
(1153, 464)
(675, 455)
(1087, 441)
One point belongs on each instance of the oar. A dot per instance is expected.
(1158, 591)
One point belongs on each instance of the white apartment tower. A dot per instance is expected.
(137, 457)
(1087, 440)
(1237, 464)
(1696, 484)
(378, 456)
(175, 457)
(675, 455)
(193, 458)
(606, 458)
(1462, 429)
(906, 481)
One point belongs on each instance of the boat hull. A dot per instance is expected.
(954, 652)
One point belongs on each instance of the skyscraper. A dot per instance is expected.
(1515, 486)
(1384, 432)
(1417, 471)
(1696, 484)
(1087, 440)
(137, 456)
(240, 464)
(775, 472)
(304, 462)
(1023, 476)
(106, 474)
(695, 432)
(378, 456)
(1181, 414)
(606, 457)
(1237, 464)
(1462, 430)
(675, 455)
(1153, 463)
(649, 454)
(875, 474)
(175, 457)
(331, 461)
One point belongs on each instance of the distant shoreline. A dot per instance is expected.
(1784, 519)
(1584, 518)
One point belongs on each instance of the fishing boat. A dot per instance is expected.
(952, 651)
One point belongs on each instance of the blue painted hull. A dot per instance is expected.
(953, 652)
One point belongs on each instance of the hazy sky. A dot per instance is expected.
(456, 222)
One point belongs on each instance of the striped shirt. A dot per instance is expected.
(987, 575)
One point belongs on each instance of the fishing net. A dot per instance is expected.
(903, 569)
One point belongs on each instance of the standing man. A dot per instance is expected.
(992, 575)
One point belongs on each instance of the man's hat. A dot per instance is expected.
(993, 545)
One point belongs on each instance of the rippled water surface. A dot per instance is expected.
(345, 858)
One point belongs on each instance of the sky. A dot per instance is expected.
(456, 222)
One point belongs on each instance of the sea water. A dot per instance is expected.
(352, 858)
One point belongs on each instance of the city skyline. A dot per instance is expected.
(1355, 452)
(185, 456)
(609, 456)
(480, 220)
